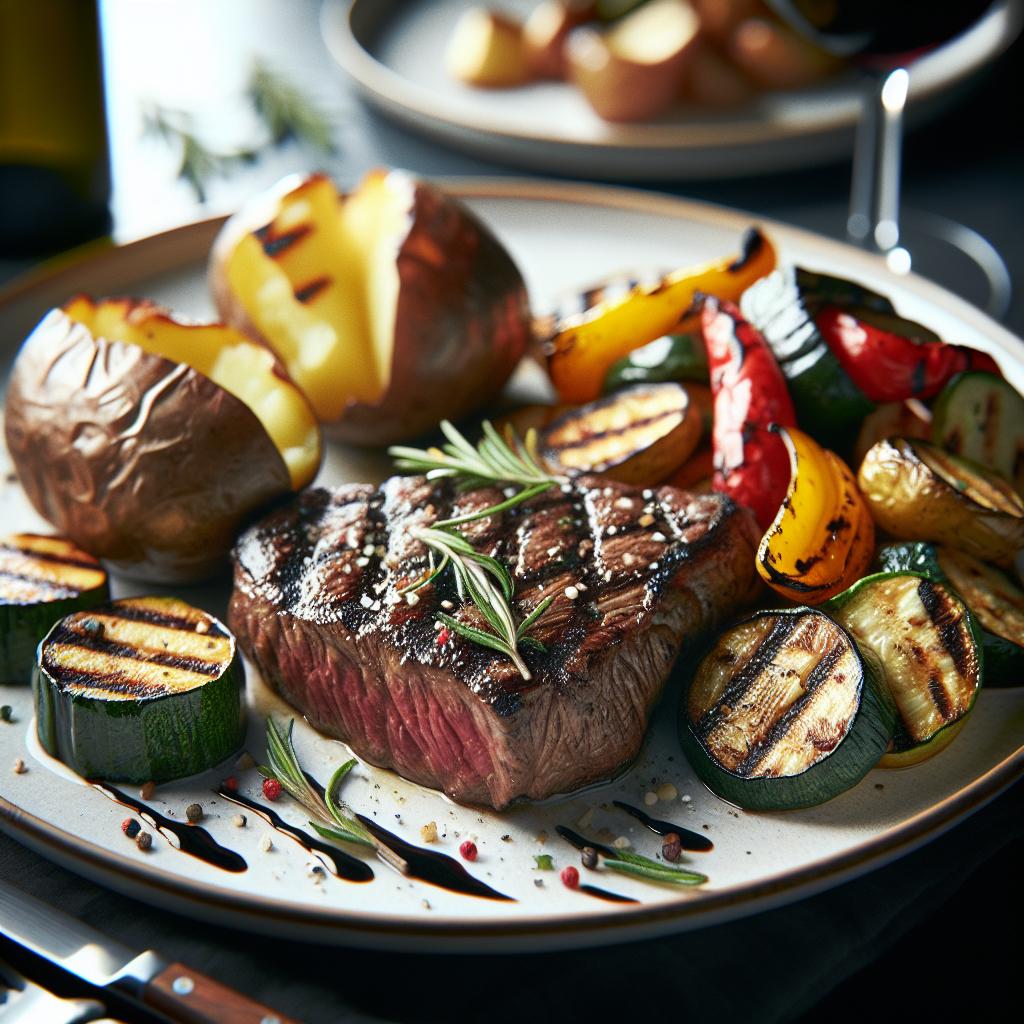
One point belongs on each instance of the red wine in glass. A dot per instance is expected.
(883, 37)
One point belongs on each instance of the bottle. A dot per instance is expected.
(54, 167)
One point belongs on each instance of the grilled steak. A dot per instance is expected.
(316, 607)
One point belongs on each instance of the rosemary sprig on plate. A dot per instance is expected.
(487, 583)
(495, 460)
(638, 866)
(334, 820)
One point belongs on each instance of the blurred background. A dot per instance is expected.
(128, 117)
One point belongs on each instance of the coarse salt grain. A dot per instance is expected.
(361, 561)
(666, 791)
(659, 537)
(621, 843)
(266, 844)
(648, 494)
(623, 503)
(447, 605)
(412, 599)
(653, 565)
(628, 559)
(552, 551)
(572, 593)
(686, 798)
(428, 833)
(650, 799)
(365, 601)
(612, 530)
(368, 550)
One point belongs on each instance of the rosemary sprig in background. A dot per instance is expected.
(285, 111)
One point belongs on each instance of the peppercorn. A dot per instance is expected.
(6, 713)
(194, 813)
(231, 784)
(130, 827)
(143, 841)
(588, 856)
(570, 877)
(271, 789)
(671, 848)
(468, 850)
(239, 821)
(147, 790)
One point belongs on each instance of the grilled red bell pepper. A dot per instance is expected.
(750, 395)
(891, 367)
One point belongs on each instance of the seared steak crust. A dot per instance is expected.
(317, 608)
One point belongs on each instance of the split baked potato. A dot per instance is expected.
(391, 306)
(147, 440)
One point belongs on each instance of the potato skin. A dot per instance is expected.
(462, 324)
(143, 462)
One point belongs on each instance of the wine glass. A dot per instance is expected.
(884, 37)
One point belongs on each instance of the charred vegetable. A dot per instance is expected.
(924, 638)
(145, 688)
(671, 357)
(995, 601)
(582, 348)
(823, 536)
(890, 359)
(919, 492)
(981, 416)
(782, 307)
(637, 436)
(41, 580)
(785, 712)
(911, 418)
(750, 397)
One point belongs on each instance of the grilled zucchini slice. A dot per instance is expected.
(42, 579)
(927, 643)
(146, 688)
(785, 712)
(995, 601)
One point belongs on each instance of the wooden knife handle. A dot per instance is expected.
(188, 996)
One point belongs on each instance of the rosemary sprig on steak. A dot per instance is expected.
(495, 460)
(475, 576)
(333, 820)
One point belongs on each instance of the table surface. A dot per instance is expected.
(831, 956)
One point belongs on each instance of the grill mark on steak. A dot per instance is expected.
(341, 643)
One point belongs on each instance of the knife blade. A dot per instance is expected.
(179, 992)
(24, 1002)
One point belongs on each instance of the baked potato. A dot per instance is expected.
(147, 440)
(392, 307)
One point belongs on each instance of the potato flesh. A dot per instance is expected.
(338, 343)
(240, 367)
(655, 32)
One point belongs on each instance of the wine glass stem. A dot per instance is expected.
(873, 221)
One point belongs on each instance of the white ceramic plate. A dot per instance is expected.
(393, 48)
(561, 235)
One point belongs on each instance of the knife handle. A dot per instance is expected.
(188, 996)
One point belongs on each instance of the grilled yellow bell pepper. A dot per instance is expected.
(823, 538)
(583, 347)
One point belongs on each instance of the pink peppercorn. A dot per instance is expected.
(570, 877)
(231, 783)
(468, 850)
(442, 636)
(271, 789)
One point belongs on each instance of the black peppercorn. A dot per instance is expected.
(588, 856)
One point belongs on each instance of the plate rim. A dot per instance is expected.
(184, 246)
(415, 104)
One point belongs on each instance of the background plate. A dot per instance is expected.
(392, 49)
(562, 236)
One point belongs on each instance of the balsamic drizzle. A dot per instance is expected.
(338, 862)
(192, 839)
(575, 839)
(605, 894)
(432, 866)
(688, 840)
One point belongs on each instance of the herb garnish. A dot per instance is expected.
(334, 819)
(481, 578)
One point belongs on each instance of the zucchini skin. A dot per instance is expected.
(1003, 660)
(26, 615)
(868, 736)
(910, 755)
(155, 739)
(782, 306)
